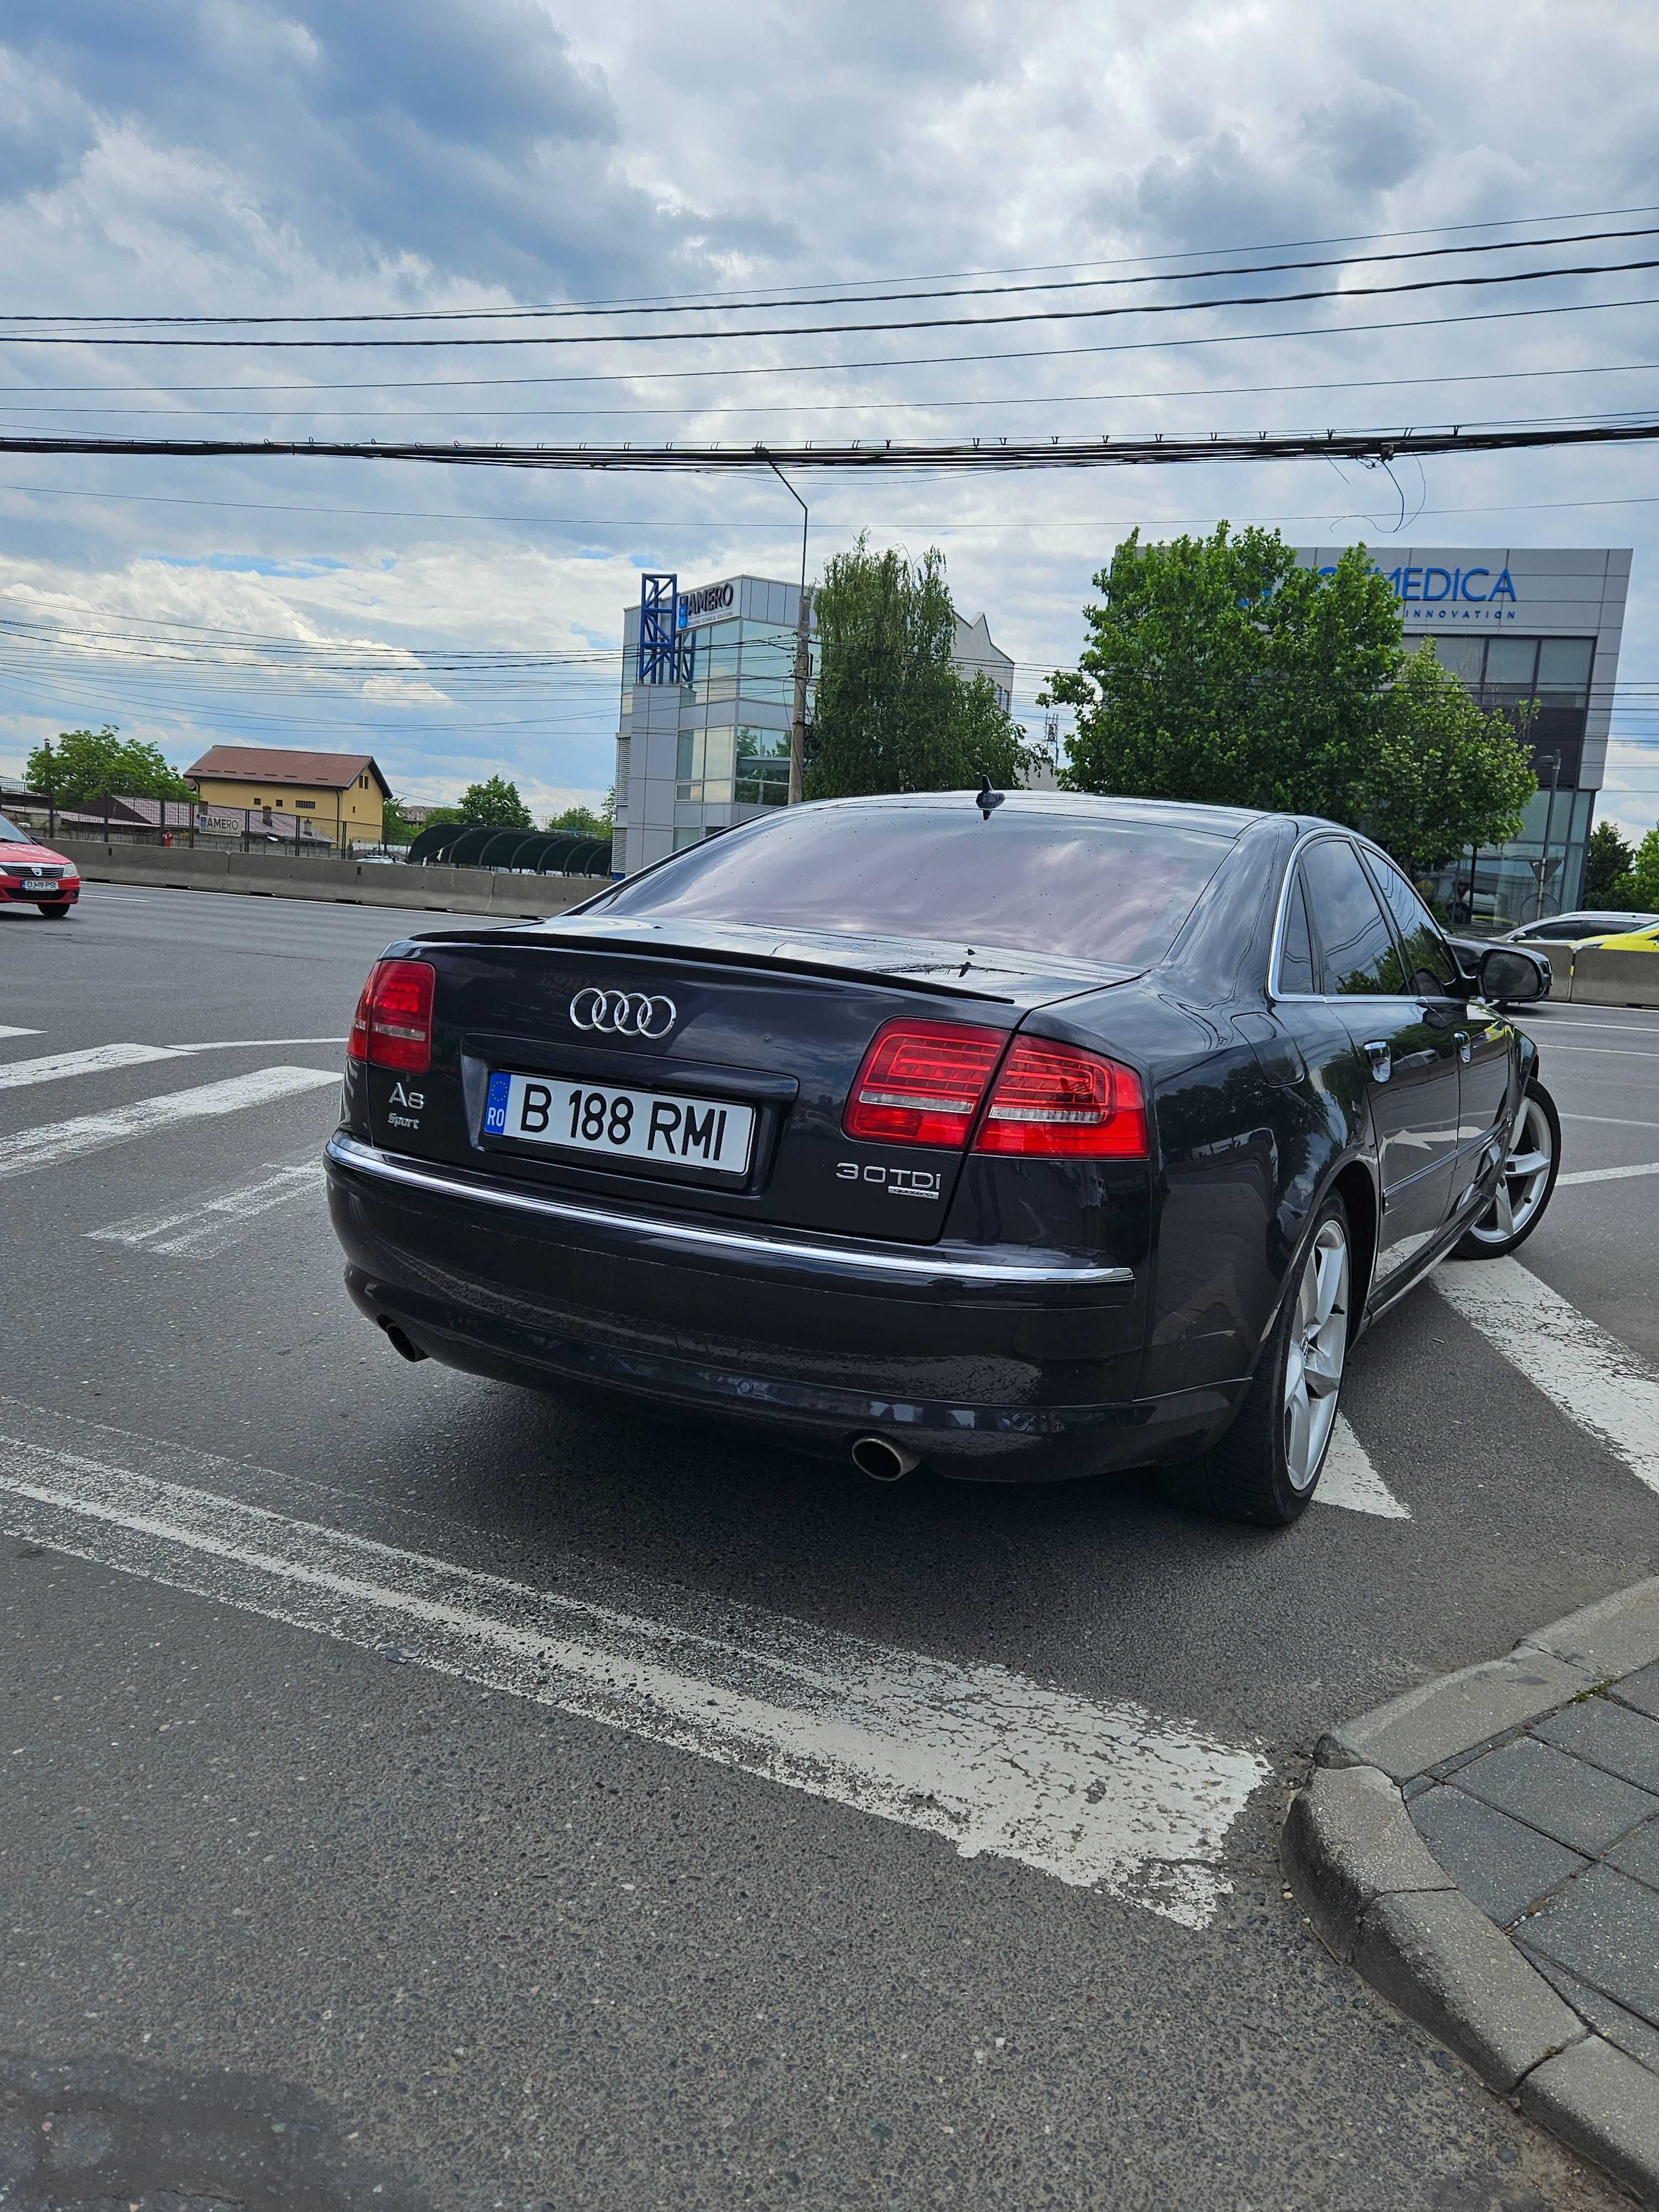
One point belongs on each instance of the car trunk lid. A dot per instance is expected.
(771, 1024)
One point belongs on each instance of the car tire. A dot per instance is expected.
(57, 911)
(1266, 1467)
(1532, 1161)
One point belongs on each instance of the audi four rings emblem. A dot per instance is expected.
(625, 1013)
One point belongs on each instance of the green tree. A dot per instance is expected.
(85, 767)
(396, 828)
(1440, 775)
(891, 713)
(1217, 669)
(1644, 877)
(495, 803)
(582, 822)
(1607, 859)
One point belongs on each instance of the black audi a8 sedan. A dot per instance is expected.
(1020, 1138)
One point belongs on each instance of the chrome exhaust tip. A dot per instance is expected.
(395, 1337)
(882, 1460)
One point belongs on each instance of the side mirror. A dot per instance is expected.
(1506, 975)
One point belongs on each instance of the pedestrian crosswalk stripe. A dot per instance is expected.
(57, 1067)
(97, 1060)
(1099, 1794)
(1597, 1381)
(24, 1151)
(194, 1231)
(1349, 1479)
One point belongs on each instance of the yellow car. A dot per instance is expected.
(1645, 940)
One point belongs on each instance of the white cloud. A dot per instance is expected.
(266, 158)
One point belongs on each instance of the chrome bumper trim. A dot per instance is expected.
(368, 1159)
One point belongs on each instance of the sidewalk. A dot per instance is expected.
(1484, 1852)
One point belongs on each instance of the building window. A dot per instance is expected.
(688, 766)
(310, 803)
(763, 767)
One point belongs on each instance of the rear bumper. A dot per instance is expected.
(990, 1362)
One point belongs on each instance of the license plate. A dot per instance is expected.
(709, 1134)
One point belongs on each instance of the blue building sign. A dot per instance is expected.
(1461, 594)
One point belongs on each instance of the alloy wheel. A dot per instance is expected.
(1524, 1184)
(1314, 1359)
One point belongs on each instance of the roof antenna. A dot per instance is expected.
(988, 801)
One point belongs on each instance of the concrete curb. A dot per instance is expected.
(1381, 1902)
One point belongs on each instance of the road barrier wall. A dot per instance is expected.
(1611, 976)
(349, 883)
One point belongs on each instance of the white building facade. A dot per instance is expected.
(706, 743)
(1518, 623)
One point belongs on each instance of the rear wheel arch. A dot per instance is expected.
(1354, 1187)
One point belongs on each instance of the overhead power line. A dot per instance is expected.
(559, 312)
(727, 371)
(978, 455)
(839, 330)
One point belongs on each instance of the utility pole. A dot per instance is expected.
(803, 657)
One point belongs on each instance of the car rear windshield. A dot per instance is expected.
(11, 834)
(1115, 891)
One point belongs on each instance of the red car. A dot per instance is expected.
(34, 873)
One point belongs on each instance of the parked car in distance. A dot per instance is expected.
(1643, 939)
(1586, 927)
(32, 874)
(1026, 1136)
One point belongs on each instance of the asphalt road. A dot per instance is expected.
(303, 1912)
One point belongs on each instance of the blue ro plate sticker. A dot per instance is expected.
(496, 1107)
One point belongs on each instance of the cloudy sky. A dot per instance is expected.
(289, 158)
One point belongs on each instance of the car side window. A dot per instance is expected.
(1358, 955)
(1296, 961)
(1431, 969)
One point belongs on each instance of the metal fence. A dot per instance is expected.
(117, 820)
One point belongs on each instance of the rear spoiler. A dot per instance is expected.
(1062, 980)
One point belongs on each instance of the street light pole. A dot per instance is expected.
(798, 721)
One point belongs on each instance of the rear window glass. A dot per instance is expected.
(1113, 891)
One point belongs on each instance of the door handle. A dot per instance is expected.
(1465, 1049)
(1380, 1056)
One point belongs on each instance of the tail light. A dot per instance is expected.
(921, 1084)
(392, 1025)
(925, 1082)
(1055, 1102)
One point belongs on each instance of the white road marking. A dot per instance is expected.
(1604, 1051)
(1604, 1029)
(1611, 1120)
(25, 1150)
(54, 1068)
(1105, 1796)
(1607, 1174)
(1349, 1478)
(1597, 1381)
(6, 1031)
(252, 1044)
(196, 1231)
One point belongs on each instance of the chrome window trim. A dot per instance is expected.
(1350, 837)
(348, 1151)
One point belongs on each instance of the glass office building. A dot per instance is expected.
(703, 744)
(1522, 623)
